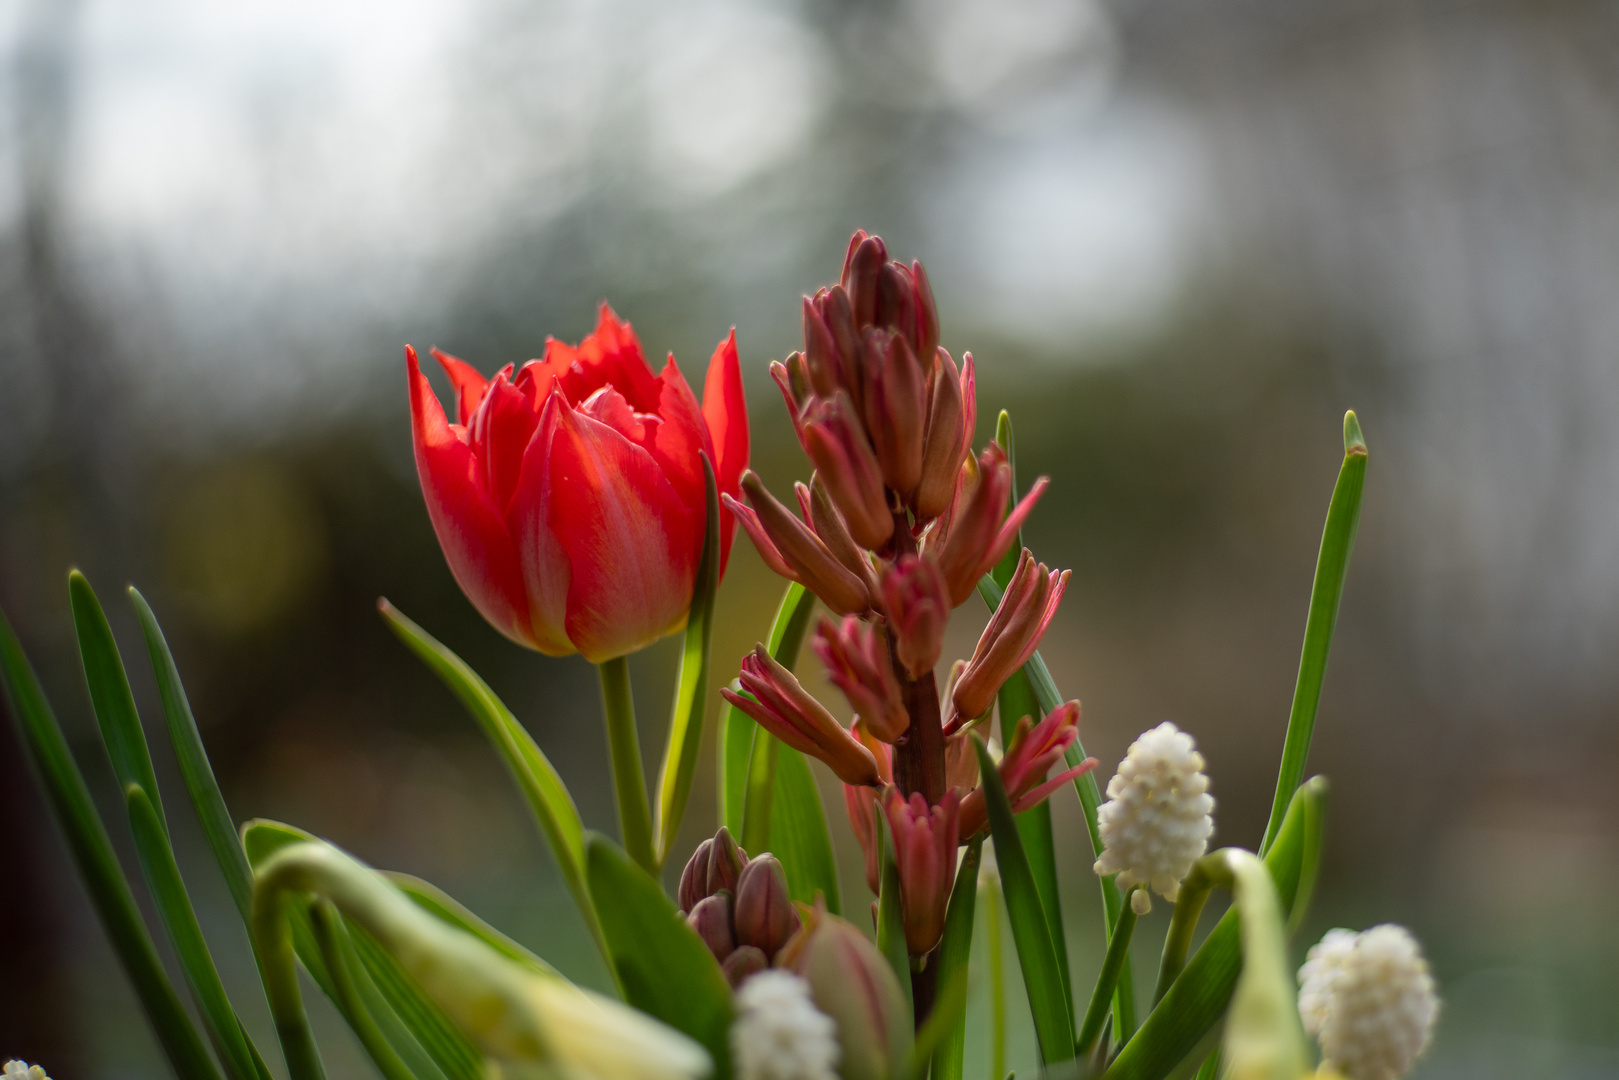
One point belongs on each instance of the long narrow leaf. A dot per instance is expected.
(798, 833)
(331, 935)
(413, 1025)
(1332, 563)
(92, 852)
(1198, 998)
(235, 1049)
(664, 967)
(431, 898)
(691, 692)
(955, 950)
(750, 757)
(110, 694)
(989, 897)
(890, 919)
(1042, 978)
(548, 798)
(194, 766)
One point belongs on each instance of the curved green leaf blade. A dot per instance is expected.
(113, 701)
(548, 798)
(798, 833)
(431, 898)
(691, 692)
(890, 919)
(955, 950)
(664, 967)
(194, 765)
(1042, 977)
(749, 763)
(92, 852)
(1331, 565)
(331, 936)
(1198, 997)
(237, 1053)
(421, 1034)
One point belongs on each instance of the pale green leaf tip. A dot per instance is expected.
(1354, 441)
(1003, 429)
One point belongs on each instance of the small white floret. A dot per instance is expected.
(21, 1070)
(779, 1034)
(1155, 823)
(1369, 1000)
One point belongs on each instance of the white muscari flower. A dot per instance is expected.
(1369, 1000)
(1155, 823)
(779, 1034)
(21, 1070)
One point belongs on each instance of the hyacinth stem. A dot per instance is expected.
(919, 755)
(1118, 950)
(989, 898)
(629, 778)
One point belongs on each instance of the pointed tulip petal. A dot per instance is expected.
(469, 384)
(725, 408)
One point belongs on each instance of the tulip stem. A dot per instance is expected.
(629, 778)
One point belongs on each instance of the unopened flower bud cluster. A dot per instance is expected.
(1369, 1000)
(1156, 822)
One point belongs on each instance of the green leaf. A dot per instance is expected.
(345, 969)
(548, 798)
(799, 835)
(1118, 952)
(92, 852)
(1198, 996)
(890, 919)
(431, 898)
(989, 898)
(415, 1027)
(1332, 563)
(664, 967)
(236, 1051)
(1042, 977)
(691, 693)
(749, 759)
(955, 949)
(194, 766)
(110, 694)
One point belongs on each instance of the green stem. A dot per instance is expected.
(1118, 950)
(272, 941)
(990, 898)
(1194, 893)
(335, 949)
(629, 779)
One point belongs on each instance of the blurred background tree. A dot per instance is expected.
(1181, 238)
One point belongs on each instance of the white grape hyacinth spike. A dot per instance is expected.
(779, 1034)
(21, 1070)
(1369, 1000)
(1156, 822)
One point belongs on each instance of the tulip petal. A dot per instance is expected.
(683, 434)
(547, 573)
(609, 355)
(469, 384)
(725, 408)
(477, 546)
(626, 534)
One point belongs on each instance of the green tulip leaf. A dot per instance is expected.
(890, 917)
(799, 835)
(666, 970)
(955, 949)
(748, 753)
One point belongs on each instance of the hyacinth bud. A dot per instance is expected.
(948, 436)
(711, 918)
(918, 608)
(785, 709)
(980, 530)
(792, 549)
(833, 531)
(765, 916)
(853, 983)
(694, 878)
(1033, 750)
(849, 468)
(1014, 632)
(925, 840)
(960, 765)
(779, 1034)
(1156, 821)
(926, 340)
(862, 269)
(1369, 1000)
(745, 960)
(715, 865)
(896, 408)
(856, 658)
(823, 359)
(792, 377)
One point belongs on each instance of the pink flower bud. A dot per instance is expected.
(896, 408)
(795, 552)
(725, 863)
(979, 529)
(711, 918)
(796, 390)
(833, 531)
(765, 916)
(896, 302)
(849, 467)
(744, 961)
(925, 840)
(862, 267)
(918, 607)
(856, 659)
(947, 439)
(785, 709)
(926, 339)
(852, 982)
(1013, 633)
(1024, 766)
(694, 878)
(822, 357)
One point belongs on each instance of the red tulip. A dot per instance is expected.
(569, 500)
